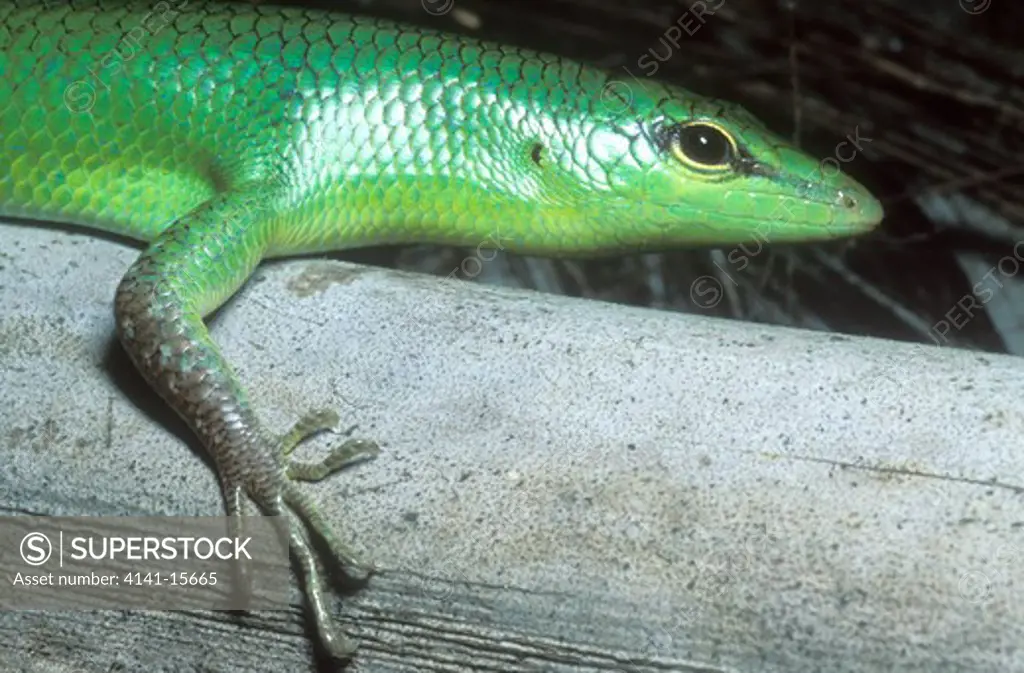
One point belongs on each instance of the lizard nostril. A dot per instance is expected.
(847, 201)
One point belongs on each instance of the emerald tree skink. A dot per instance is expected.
(223, 134)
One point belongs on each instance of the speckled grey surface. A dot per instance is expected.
(565, 485)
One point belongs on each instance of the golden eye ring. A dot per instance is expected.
(704, 146)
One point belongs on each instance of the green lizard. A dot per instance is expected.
(223, 134)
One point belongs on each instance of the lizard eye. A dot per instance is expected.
(703, 146)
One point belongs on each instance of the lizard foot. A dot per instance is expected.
(348, 453)
(285, 497)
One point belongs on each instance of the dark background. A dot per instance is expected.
(937, 86)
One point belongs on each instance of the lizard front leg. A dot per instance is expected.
(187, 272)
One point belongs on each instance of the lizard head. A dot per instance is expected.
(652, 166)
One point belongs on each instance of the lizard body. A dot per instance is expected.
(222, 134)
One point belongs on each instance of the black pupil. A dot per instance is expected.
(705, 145)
